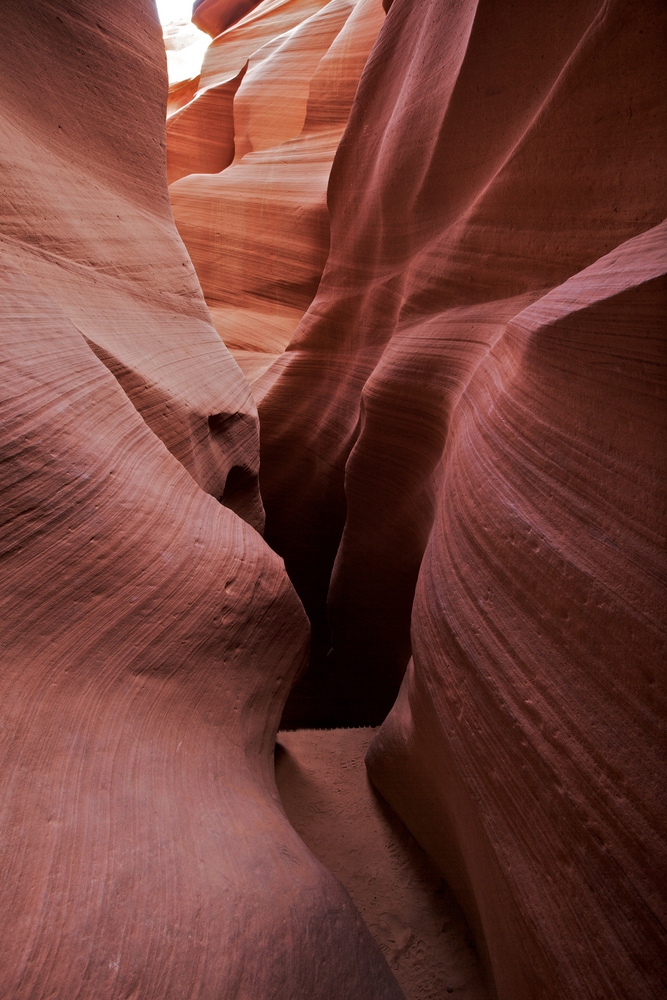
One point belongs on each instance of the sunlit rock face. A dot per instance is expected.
(463, 460)
(149, 635)
(215, 16)
(87, 216)
(274, 97)
(185, 46)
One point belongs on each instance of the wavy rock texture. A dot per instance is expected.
(86, 213)
(479, 378)
(149, 640)
(258, 231)
(180, 94)
(149, 635)
(200, 128)
(200, 138)
(451, 210)
(539, 644)
(215, 16)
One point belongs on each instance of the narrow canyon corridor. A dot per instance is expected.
(333, 474)
(405, 902)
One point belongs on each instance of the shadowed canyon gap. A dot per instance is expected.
(431, 234)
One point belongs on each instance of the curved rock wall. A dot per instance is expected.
(258, 232)
(86, 213)
(451, 210)
(149, 635)
(472, 408)
(539, 644)
(215, 16)
(200, 136)
(462, 465)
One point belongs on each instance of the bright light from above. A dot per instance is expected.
(185, 44)
(174, 10)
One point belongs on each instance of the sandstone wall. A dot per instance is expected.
(463, 460)
(275, 93)
(149, 636)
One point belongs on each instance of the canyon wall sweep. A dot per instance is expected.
(86, 213)
(279, 86)
(149, 636)
(479, 377)
(539, 643)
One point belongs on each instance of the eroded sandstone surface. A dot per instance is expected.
(149, 635)
(447, 289)
(272, 101)
(409, 909)
(473, 409)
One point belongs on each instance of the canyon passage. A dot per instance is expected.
(332, 548)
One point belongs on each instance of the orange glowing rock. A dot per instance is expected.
(258, 231)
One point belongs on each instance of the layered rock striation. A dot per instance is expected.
(275, 94)
(539, 645)
(215, 16)
(87, 216)
(149, 635)
(463, 462)
(463, 467)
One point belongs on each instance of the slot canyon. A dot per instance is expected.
(333, 585)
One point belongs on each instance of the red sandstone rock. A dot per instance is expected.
(230, 50)
(451, 210)
(181, 94)
(539, 644)
(215, 16)
(200, 131)
(149, 639)
(149, 635)
(479, 378)
(87, 215)
(412, 914)
(271, 105)
(258, 232)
